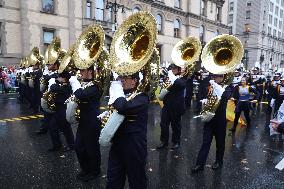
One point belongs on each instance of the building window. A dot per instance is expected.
(269, 30)
(282, 3)
(275, 22)
(280, 24)
(136, 9)
(48, 6)
(230, 30)
(176, 28)
(264, 15)
(276, 10)
(279, 34)
(274, 33)
(201, 33)
(99, 10)
(230, 19)
(159, 23)
(231, 6)
(247, 28)
(177, 3)
(271, 7)
(247, 14)
(202, 8)
(48, 35)
(218, 15)
(249, 4)
(1, 32)
(270, 19)
(88, 9)
(281, 13)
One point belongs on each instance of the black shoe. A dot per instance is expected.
(197, 168)
(55, 149)
(85, 177)
(162, 146)
(216, 166)
(41, 132)
(175, 146)
(232, 129)
(68, 149)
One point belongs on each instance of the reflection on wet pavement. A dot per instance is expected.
(250, 156)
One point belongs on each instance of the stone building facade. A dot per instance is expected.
(259, 25)
(29, 23)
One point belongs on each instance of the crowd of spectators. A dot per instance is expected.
(8, 81)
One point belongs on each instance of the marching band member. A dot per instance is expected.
(277, 96)
(215, 127)
(256, 81)
(87, 137)
(36, 75)
(173, 109)
(269, 90)
(58, 121)
(203, 80)
(128, 153)
(49, 73)
(242, 95)
(237, 77)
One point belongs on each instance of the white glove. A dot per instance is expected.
(30, 69)
(115, 75)
(207, 117)
(266, 92)
(75, 84)
(115, 91)
(102, 115)
(51, 82)
(204, 101)
(217, 89)
(172, 77)
(272, 103)
(45, 72)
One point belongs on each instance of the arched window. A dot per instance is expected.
(99, 9)
(201, 33)
(159, 23)
(88, 8)
(176, 28)
(136, 9)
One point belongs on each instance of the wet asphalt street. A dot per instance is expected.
(249, 161)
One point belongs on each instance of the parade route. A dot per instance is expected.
(249, 161)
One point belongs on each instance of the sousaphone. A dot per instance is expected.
(184, 54)
(133, 50)
(87, 51)
(221, 55)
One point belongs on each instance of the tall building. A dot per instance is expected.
(259, 25)
(28, 23)
(24, 24)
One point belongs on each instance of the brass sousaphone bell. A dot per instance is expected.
(221, 55)
(133, 50)
(53, 51)
(186, 52)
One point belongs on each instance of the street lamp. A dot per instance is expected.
(272, 51)
(114, 6)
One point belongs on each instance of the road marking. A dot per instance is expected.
(29, 117)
